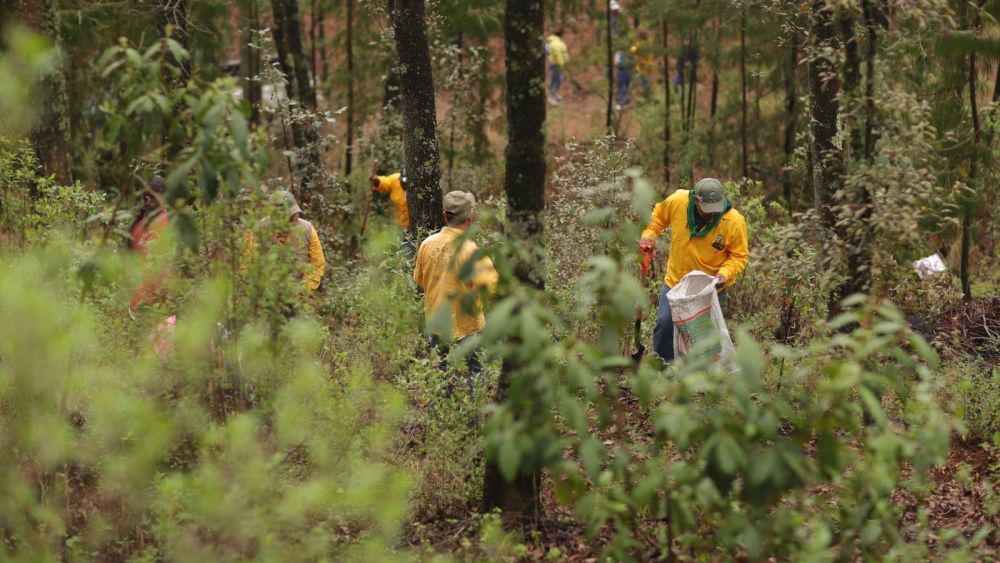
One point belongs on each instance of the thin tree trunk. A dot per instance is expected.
(524, 184)
(611, 71)
(420, 139)
(714, 99)
(314, 55)
(323, 64)
(349, 149)
(973, 173)
(50, 137)
(294, 65)
(743, 90)
(827, 157)
(250, 59)
(453, 119)
(791, 103)
(666, 103)
(871, 19)
(172, 20)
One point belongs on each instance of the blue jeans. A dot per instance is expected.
(624, 80)
(663, 330)
(557, 79)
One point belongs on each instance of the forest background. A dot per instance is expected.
(856, 136)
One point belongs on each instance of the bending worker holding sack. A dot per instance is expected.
(707, 235)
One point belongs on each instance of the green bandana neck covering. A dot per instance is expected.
(707, 228)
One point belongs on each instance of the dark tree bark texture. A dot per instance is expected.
(50, 135)
(349, 149)
(524, 184)
(295, 66)
(791, 109)
(827, 158)
(250, 59)
(420, 140)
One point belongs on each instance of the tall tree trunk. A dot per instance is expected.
(611, 71)
(858, 238)
(349, 149)
(969, 208)
(453, 119)
(50, 136)
(250, 59)
(666, 102)
(996, 85)
(313, 39)
(714, 98)
(324, 68)
(692, 92)
(293, 64)
(743, 90)
(420, 139)
(827, 157)
(791, 107)
(524, 184)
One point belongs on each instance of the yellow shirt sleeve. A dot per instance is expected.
(318, 261)
(659, 220)
(418, 270)
(485, 275)
(739, 253)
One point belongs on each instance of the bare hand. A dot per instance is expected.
(375, 181)
(720, 280)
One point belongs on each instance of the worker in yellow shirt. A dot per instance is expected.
(303, 238)
(442, 260)
(558, 57)
(394, 185)
(707, 234)
(642, 53)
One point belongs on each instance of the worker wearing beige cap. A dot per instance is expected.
(707, 234)
(451, 287)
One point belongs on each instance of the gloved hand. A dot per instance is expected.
(646, 243)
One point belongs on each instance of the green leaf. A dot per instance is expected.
(592, 455)
(508, 459)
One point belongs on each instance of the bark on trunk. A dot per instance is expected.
(50, 136)
(666, 102)
(420, 139)
(349, 149)
(294, 65)
(524, 184)
(743, 90)
(791, 108)
(250, 59)
(611, 71)
(827, 158)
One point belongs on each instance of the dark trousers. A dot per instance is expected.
(663, 330)
(472, 362)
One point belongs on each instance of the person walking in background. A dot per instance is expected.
(146, 230)
(395, 186)
(642, 54)
(558, 57)
(300, 235)
(623, 78)
(451, 272)
(707, 235)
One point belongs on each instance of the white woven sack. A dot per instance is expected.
(697, 316)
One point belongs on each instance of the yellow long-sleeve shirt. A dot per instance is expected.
(724, 250)
(558, 53)
(440, 262)
(308, 249)
(397, 195)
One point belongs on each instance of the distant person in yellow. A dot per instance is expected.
(707, 234)
(558, 57)
(451, 272)
(644, 63)
(302, 237)
(393, 185)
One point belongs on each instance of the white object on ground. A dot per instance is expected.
(929, 266)
(697, 316)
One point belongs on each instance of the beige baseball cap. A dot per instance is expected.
(459, 204)
(285, 199)
(711, 195)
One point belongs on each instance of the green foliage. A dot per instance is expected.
(128, 432)
(24, 59)
(747, 453)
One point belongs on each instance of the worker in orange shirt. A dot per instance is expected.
(395, 186)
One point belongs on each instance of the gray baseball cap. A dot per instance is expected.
(710, 195)
(285, 199)
(459, 204)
